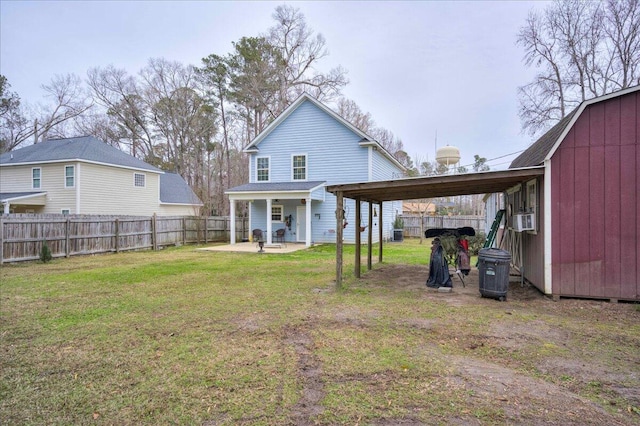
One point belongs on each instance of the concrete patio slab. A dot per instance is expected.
(253, 248)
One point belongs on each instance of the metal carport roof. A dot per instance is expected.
(418, 188)
(436, 186)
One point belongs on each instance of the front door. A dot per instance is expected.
(301, 224)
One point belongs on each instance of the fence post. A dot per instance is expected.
(67, 239)
(154, 233)
(184, 230)
(117, 235)
(1, 240)
(206, 229)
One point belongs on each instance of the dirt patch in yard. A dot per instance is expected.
(538, 361)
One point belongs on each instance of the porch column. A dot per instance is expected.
(269, 224)
(232, 220)
(307, 231)
(6, 207)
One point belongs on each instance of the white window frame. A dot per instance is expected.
(293, 168)
(39, 178)
(73, 176)
(268, 158)
(531, 201)
(275, 214)
(65, 212)
(135, 180)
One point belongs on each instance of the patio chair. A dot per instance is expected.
(278, 236)
(257, 235)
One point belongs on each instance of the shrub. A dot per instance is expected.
(45, 253)
(398, 223)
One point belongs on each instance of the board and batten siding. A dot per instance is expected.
(111, 190)
(52, 181)
(595, 210)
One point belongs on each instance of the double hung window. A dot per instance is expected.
(262, 169)
(299, 167)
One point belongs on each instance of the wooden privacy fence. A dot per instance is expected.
(22, 236)
(412, 223)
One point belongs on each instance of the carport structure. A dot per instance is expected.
(412, 189)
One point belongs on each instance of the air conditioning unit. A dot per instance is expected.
(524, 222)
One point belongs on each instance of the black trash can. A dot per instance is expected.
(493, 267)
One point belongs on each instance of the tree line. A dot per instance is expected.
(195, 120)
(192, 120)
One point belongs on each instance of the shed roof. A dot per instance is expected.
(546, 145)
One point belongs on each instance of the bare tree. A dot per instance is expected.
(67, 100)
(122, 99)
(11, 119)
(351, 112)
(300, 50)
(581, 50)
(623, 31)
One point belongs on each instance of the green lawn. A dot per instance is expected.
(181, 336)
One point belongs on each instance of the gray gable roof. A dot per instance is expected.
(537, 152)
(276, 186)
(4, 196)
(85, 148)
(175, 190)
(544, 147)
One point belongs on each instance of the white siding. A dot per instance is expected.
(178, 210)
(111, 190)
(18, 179)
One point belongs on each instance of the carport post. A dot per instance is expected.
(358, 239)
(380, 235)
(370, 236)
(339, 233)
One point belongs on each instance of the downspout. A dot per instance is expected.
(548, 276)
(77, 178)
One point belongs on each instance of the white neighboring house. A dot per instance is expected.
(84, 175)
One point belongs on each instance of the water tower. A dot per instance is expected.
(448, 156)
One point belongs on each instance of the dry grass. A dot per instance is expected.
(187, 337)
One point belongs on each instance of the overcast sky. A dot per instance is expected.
(420, 68)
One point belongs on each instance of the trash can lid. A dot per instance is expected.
(494, 253)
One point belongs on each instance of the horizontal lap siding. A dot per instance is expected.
(333, 155)
(111, 190)
(52, 181)
(595, 203)
(333, 152)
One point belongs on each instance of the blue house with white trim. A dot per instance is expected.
(292, 160)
